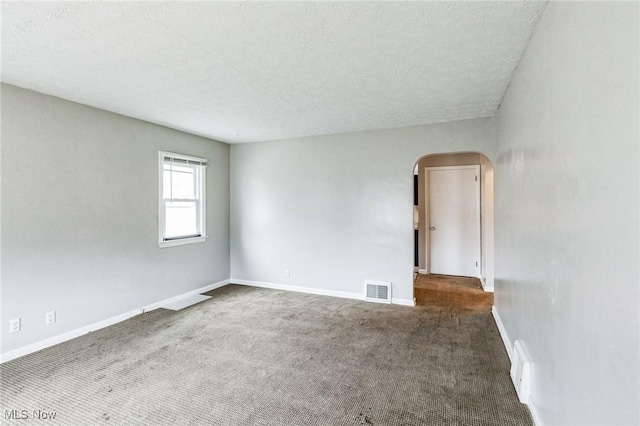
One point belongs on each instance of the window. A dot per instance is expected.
(182, 199)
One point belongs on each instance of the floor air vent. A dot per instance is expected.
(377, 292)
(521, 372)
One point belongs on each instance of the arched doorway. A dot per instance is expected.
(461, 243)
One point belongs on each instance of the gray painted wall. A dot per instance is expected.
(80, 216)
(567, 213)
(336, 210)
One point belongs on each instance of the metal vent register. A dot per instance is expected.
(377, 291)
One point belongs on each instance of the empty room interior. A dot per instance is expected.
(320, 213)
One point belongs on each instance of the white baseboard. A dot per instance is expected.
(404, 302)
(503, 332)
(487, 285)
(423, 271)
(51, 341)
(315, 290)
(299, 289)
(509, 347)
(535, 415)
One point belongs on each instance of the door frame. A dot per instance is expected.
(427, 212)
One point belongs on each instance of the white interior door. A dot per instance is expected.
(454, 220)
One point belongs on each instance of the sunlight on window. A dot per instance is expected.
(182, 198)
(180, 219)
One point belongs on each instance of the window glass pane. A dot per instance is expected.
(179, 181)
(180, 219)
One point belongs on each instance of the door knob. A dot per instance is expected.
(433, 228)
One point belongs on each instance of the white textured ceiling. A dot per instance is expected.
(241, 72)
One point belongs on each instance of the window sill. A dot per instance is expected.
(181, 241)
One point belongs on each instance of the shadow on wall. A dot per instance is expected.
(486, 203)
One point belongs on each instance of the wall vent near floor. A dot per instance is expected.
(521, 372)
(377, 291)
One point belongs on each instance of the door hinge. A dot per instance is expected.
(476, 178)
(476, 264)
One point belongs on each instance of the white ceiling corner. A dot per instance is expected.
(243, 72)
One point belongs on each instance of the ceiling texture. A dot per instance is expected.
(245, 72)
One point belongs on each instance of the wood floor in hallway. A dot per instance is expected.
(451, 292)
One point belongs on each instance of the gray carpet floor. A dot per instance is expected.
(251, 356)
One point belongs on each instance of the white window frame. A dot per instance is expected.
(202, 204)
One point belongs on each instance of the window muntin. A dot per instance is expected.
(182, 201)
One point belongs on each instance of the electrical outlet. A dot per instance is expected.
(14, 325)
(50, 317)
(287, 273)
